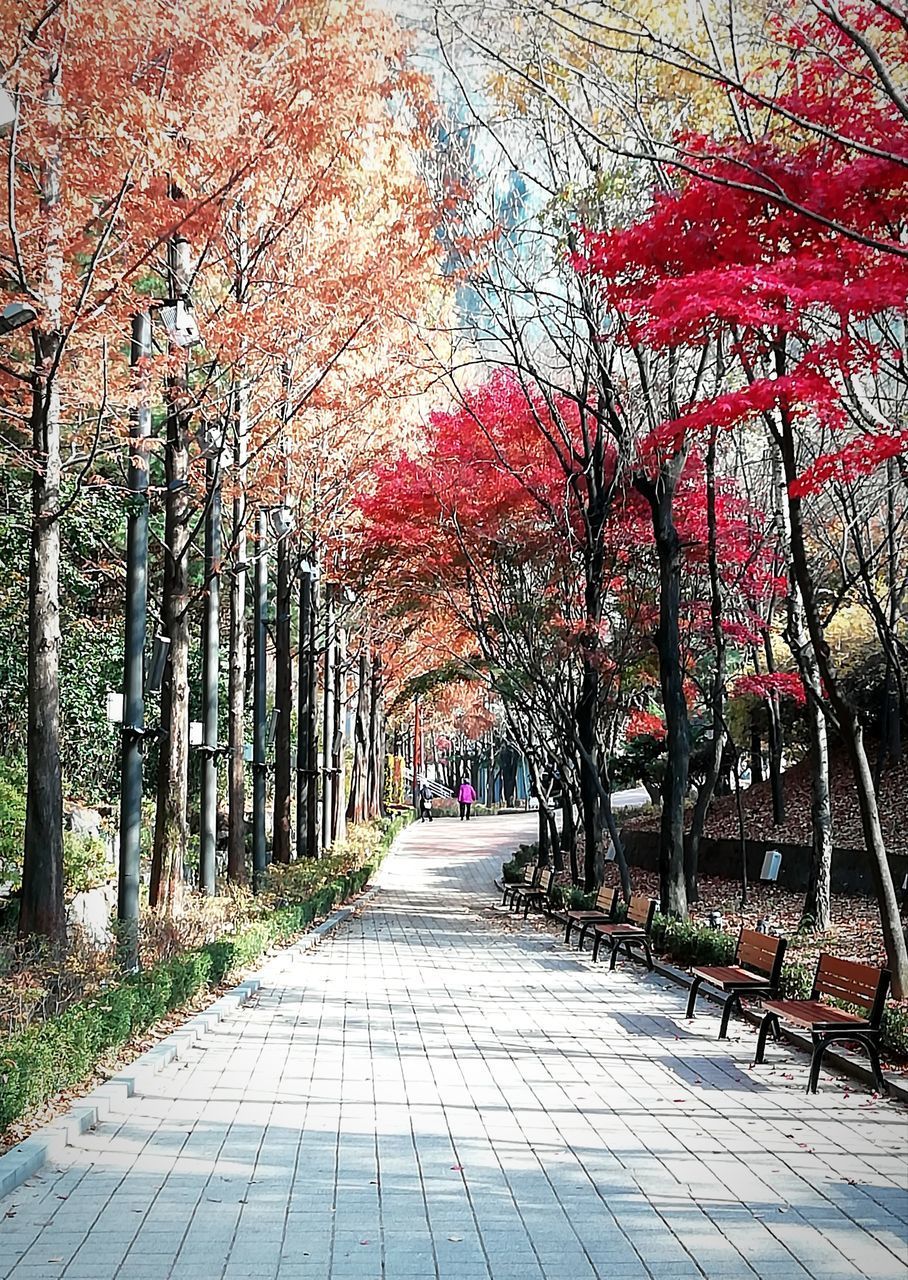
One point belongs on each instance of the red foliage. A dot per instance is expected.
(643, 724)
(795, 237)
(785, 683)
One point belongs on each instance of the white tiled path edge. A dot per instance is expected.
(426, 1097)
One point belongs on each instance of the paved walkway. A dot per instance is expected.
(429, 1096)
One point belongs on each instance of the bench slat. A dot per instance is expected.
(640, 911)
(847, 980)
(720, 974)
(811, 1013)
(758, 950)
(605, 900)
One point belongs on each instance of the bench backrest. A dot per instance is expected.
(761, 952)
(530, 872)
(640, 911)
(544, 883)
(862, 985)
(605, 900)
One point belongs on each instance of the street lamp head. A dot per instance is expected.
(157, 664)
(15, 315)
(281, 520)
(7, 113)
(180, 324)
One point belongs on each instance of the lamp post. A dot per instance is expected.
(136, 620)
(306, 761)
(210, 653)
(259, 694)
(328, 782)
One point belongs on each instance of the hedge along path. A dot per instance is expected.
(64, 1051)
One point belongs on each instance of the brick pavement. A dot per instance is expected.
(429, 1096)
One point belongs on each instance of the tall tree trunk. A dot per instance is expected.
(305, 721)
(281, 845)
(776, 740)
(816, 908)
(338, 745)
(756, 755)
(543, 833)
(568, 839)
(358, 804)
(171, 828)
(41, 907)
(211, 652)
(673, 892)
(717, 687)
(375, 803)
(556, 851)
(614, 831)
(852, 735)
(312, 810)
(817, 912)
(590, 807)
(237, 642)
(328, 718)
(237, 659)
(509, 763)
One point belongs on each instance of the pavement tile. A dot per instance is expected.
(431, 1096)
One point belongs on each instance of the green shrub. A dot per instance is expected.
(12, 821)
(512, 870)
(85, 864)
(895, 1029)
(797, 980)
(580, 901)
(689, 943)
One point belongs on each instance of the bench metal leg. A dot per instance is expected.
(649, 954)
(568, 926)
(820, 1044)
(770, 1020)
(584, 930)
(873, 1053)
(597, 942)
(733, 1002)
(692, 998)
(614, 955)
(871, 1046)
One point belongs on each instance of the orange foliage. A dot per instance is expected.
(299, 124)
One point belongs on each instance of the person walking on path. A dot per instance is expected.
(425, 802)
(466, 796)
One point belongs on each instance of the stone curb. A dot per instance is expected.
(835, 1061)
(22, 1161)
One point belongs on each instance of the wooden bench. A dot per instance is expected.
(755, 971)
(528, 889)
(600, 913)
(862, 986)
(530, 873)
(538, 895)
(634, 932)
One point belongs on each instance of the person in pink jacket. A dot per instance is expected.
(466, 795)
